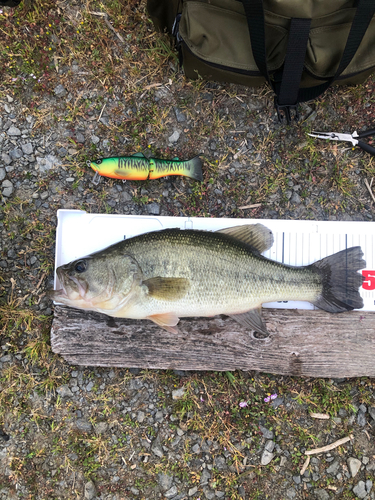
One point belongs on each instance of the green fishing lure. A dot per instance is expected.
(140, 168)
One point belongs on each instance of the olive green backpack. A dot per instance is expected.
(300, 47)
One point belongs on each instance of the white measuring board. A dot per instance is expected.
(296, 243)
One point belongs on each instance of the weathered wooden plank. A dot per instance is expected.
(306, 343)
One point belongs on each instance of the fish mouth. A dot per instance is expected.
(57, 295)
(67, 286)
(61, 293)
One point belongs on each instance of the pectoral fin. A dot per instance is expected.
(255, 235)
(167, 288)
(251, 319)
(166, 321)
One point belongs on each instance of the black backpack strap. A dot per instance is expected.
(255, 20)
(363, 16)
(286, 95)
(9, 3)
(287, 89)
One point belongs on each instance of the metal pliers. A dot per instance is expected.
(353, 138)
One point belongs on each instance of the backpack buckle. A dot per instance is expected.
(287, 111)
(175, 28)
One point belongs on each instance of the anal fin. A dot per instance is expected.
(251, 319)
(166, 321)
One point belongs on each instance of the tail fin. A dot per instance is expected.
(195, 170)
(340, 280)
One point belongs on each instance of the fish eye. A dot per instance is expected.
(80, 266)
(98, 162)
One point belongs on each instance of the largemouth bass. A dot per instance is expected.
(140, 168)
(166, 275)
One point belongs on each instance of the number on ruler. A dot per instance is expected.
(369, 282)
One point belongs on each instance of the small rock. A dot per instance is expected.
(60, 90)
(209, 494)
(321, 494)
(12, 130)
(179, 115)
(135, 491)
(48, 163)
(220, 463)
(64, 391)
(125, 197)
(360, 490)
(89, 386)
(105, 120)
(361, 419)
(205, 477)
(140, 417)
(156, 449)
(101, 427)
(178, 393)
(6, 159)
(354, 465)
(174, 137)
(27, 148)
(95, 139)
(165, 481)
(266, 433)
(16, 153)
(90, 490)
(80, 137)
(267, 456)
(291, 493)
(196, 449)
(171, 493)
(83, 425)
(296, 199)
(277, 402)
(2, 173)
(371, 411)
(153, 208)
(159, 416)
(192, 491)
(270, 445)
(297, 479)
(334, 467)
(368, 485)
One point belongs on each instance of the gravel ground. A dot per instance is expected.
(87, 433)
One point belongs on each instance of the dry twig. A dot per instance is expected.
(369, 188)
(305, 465)
(329, 447)
(322, 416)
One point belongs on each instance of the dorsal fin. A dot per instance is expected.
(255, 235)
(141, 155)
